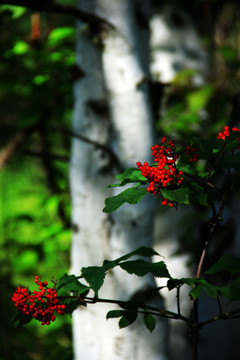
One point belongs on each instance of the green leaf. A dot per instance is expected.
(16, 11)
(26, 261)
(114, 314)
(149, 322)
(40, 79)
(128, 319)
(173, 283)
(228, 263)
(131, 175)
(210, 289)
(234, 290)
(189, 281)
(21, 319)
(196, 291)
(141, 268)
(70, 283)
(60, 34)
(20, 48)
(198, 99)
(179, 195)
(131, 196)
(142, 251)
(95, 276)
(72, 304)
(197, 193)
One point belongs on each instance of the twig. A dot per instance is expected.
(94, 143)
(178, 300)
(220, 306)
(215, 163)
(225, 316)
(149, 309)
(7, 152)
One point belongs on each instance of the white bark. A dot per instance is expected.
(124, 62)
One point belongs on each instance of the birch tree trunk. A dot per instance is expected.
(114, 77)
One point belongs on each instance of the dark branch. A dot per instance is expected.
(52, 6)
(94, 143)
(14, 143)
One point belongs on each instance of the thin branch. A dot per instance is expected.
(94, 143)
(149, 309)
(220, 306)
(226, 316)
(215, 222)
(163, 312)
(178, 300)
(215, 163)
(9, 149)
(204, 251)
(52, 6)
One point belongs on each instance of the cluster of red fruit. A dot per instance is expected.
(41, 304)
(165, 173)
(226, 132)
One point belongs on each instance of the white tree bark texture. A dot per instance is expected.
(114, 76)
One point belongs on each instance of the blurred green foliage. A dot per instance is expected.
(35, 100)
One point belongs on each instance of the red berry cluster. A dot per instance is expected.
(226, 132)
(164, 173)
(41, 304)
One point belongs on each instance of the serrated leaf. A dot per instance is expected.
(189, 281)
(131, 174)
(131, 196)
(196, 291)
(142, 251)
(234, 290)
(181, 195)
(72, 304)
(71, 283)
(202, 198)
(228, 263)
(173, 283)
(210, 289)
(94, 275)
(141, 268)
(149, 322)
(114, 314)
(21, 319)
(197, 193)
(128, 319)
